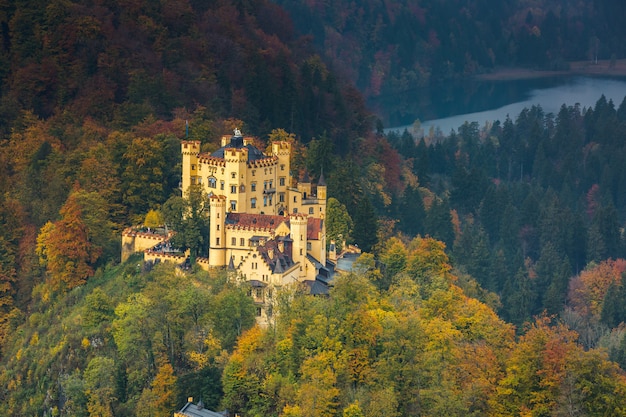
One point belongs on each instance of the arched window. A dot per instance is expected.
(212, 182)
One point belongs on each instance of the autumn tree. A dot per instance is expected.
(143, 176)
(71, 246)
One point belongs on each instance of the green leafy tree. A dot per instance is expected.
(100, 386)
(232, 313)
(338, 223)
(189, 217)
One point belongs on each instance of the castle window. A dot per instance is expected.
(271, 184)
(253, 202)
(259, 293)
(308, 246)
(310, 210)
(199, 180)
(295, 209)
(242, 242)
(212, 182)
(217, 241)
(193, 167)
(281, 197)
(218, 226)
(265, 171)
(282, 167)
(259, 310)
(233, 241)
(253, 172)
(233, 189)
(282, 181)
(233, 175)
(233, 205)
(193, 180)
(253, 186)
(221, 185)
(295, 198)
(265, 185)
(270, 170)
(300, 251)
(264, 201)
(242, 188)
(270, 203)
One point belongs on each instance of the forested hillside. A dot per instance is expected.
(492, 279)
(395, 46)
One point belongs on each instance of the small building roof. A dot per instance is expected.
(316, 287)
(197, 410)
(279, 262)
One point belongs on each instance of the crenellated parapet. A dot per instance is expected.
(211, 160)
(263, 163)
(137, 240)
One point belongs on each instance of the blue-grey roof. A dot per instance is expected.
(254, 153)
(198, 410)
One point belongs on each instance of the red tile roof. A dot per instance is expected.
(264, 221)
(313, 228)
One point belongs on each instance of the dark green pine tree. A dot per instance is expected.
(519, 298)
(365, 225)
(411, 212)
(614, 304)
(480, 261)
(439, 222)
(604, 234)
(553, 273)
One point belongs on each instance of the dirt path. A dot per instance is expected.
(602, 68)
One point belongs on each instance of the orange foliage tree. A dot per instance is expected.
(66, 247)
(587, 291)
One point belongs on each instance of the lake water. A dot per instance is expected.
(487, 101)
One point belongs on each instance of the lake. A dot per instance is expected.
(487, 101)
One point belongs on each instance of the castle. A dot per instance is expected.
(263, 224)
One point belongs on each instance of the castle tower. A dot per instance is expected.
(236, 158)
(321, 195)
(217, 234)
(190, 150)
(282, 151)
(298, 229)
(304, 185)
